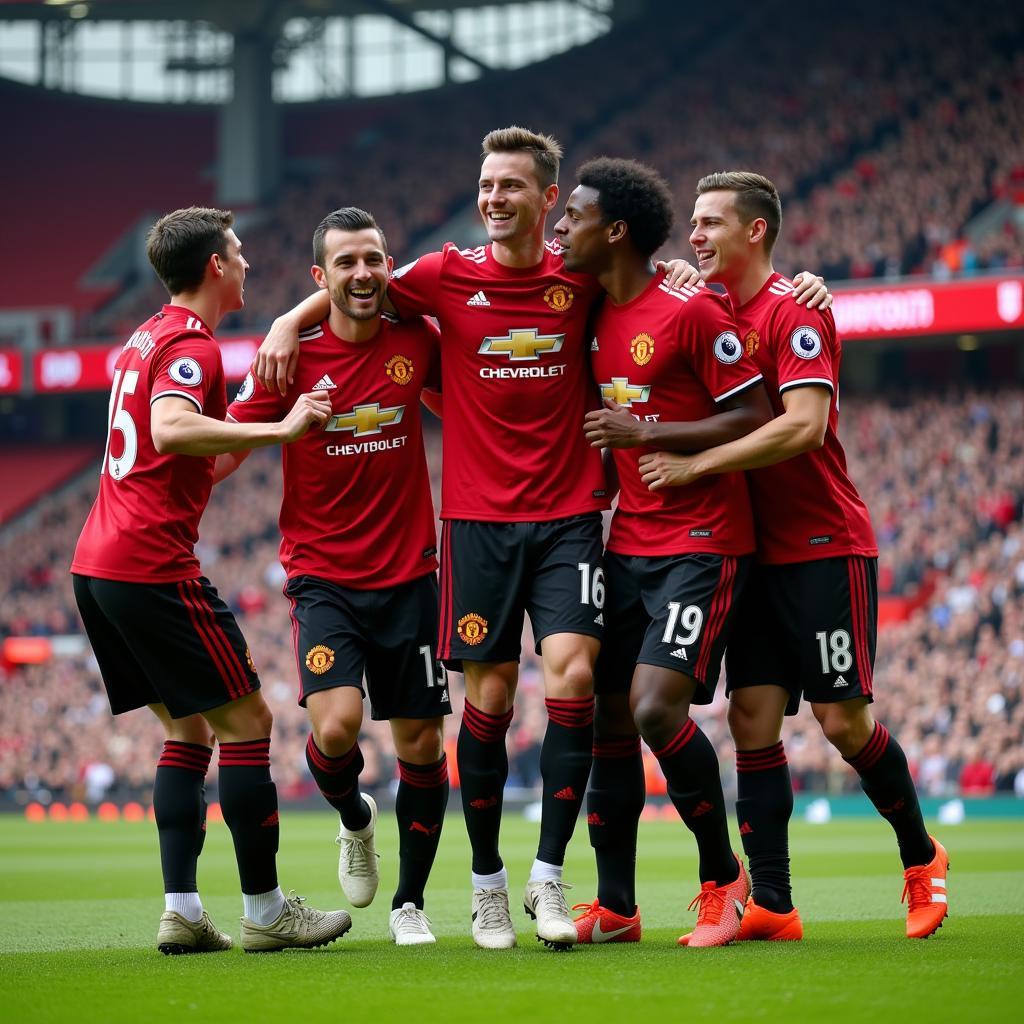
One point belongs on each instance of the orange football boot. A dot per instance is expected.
(924, 891)
(719, 911)
(599, 924)
(760, 923)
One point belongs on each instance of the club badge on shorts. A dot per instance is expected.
(472, 629)
(319, 659)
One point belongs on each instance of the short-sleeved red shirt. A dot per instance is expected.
(144, 523)
(357, 508)
(515, 382)
(807, 507)
(670, 355)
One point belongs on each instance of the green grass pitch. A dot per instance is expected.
(79, 905)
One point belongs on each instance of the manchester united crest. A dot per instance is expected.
(752, 341)
(399, 369)
(558, 297)
(249, 661)
(319, 659)
(472, 629)
(641, 348)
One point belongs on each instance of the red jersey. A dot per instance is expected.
(670, 355)
(515, 382)
(357, 508)
(807, 507)
(144, 523)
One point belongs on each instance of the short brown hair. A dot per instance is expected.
(348, 218)
(545, 150)
(180, 244)
(756, 196)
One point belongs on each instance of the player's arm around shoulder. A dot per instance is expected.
(179, 428)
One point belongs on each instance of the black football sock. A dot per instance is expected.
(419, 807)
(180, 811)
(615, 801)
(337, 778)
(764, 805)
(565, 758)
(483, 769)
(885, 778)
(248, 800)
(695, 787)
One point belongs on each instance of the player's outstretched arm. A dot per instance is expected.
(615, 427)
(800, 428)
(811, 291)
(227, 463)
(178, 429)
(274, 365)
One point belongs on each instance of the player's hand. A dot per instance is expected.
(811, 290)
(611, 427)
(679, 273)
(310, 410)
(275, 362)
(667, 469)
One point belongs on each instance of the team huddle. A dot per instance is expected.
(565, 373)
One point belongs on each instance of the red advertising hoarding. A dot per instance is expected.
(91, 367)
(10, 370)
(949, 307)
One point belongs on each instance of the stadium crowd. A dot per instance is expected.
(884, 145)
(950, 677)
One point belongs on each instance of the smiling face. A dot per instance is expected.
(356, 271)
(234, 267)
(722, 242)
(512, 204)
(583, 232)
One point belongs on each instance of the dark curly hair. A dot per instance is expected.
(634, 193)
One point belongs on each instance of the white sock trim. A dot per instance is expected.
(264, 908)
(499, 880)
(188, 904)
(544, 872)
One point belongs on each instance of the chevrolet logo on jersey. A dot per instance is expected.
(621, 391)
(522, 346)
(364, 420)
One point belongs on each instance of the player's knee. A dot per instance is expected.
(335, 736)
(654, 718)
(612, 717)
(424, 746)
(262, 718)
(573, 678)
(751, 728)
(847, 728)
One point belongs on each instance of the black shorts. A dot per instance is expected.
(493, 573)
(673, 611)
(809, 627)
(175, 644)
(388, 635)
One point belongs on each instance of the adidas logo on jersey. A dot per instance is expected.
(478, 300)
(324, 384)
(680, 652)
(593, 346)
(840, 682)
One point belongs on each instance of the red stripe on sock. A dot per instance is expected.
(760, 760)
(423, 776)
(625, 746)
(484, 727)
(192, 756)
(873, 750)
(325, 762)
(572, 712)
(248, 754)
(681, 738)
